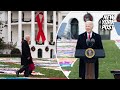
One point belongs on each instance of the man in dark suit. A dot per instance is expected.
(26, 58)
(81, 44)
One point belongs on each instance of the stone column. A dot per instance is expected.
(9, 26)
(32, 27)
(19, 29)
(54, 26)
(45, 27)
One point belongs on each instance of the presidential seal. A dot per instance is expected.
(89, 53)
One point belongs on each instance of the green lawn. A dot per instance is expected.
(49, 73)
(110, 62)
(66, 68)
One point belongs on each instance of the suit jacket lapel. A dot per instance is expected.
(85, 35)
(93, 35)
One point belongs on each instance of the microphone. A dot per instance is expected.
(88, 42)
(92, 41)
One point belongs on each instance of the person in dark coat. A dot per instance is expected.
(26, 58)
(81, 44)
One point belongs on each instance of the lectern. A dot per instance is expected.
(90, 55)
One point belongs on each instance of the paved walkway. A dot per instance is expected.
(43, 63)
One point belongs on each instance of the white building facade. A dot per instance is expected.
(108, 31)
(21, 23)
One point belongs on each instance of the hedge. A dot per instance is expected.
(10, 55)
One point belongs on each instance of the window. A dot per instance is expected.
(22, 34)
(11, 36)
(14, 16)
(74, 28)
(39, 53)
(51, 36)
(26, 16)
(51, 53)
(63, 17)
(51, 18)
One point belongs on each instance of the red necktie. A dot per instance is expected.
(88, 35)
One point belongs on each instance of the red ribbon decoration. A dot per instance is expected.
(40, 32)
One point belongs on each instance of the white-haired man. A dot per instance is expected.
(26, 58)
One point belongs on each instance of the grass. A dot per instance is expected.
(66, 68)
(110, 62)
(74, 71)
(49, 73)
(107, 64)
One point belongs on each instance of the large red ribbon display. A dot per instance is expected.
(40, 32)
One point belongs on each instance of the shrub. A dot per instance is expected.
(9, 55)
(2, 44)
(15, 51)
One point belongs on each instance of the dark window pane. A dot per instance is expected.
(74, 29)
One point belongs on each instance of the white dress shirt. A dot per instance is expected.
(88, 34)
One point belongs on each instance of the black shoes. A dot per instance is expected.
(17, 73)
(26, 75)
(31, 75)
